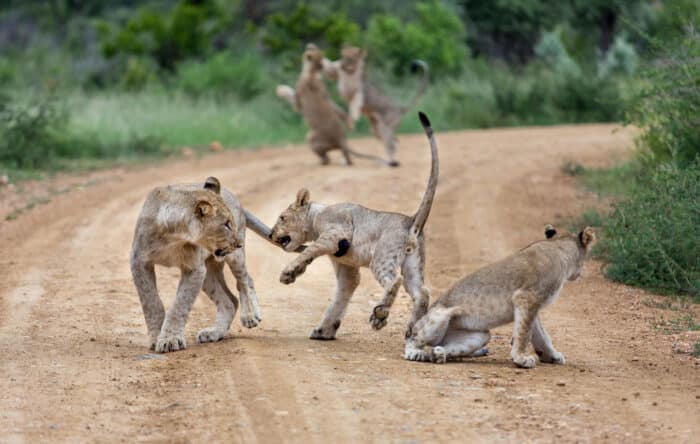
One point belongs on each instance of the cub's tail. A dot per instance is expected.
(417, 65)
(421, 215)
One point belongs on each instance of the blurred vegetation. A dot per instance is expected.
(126, 78)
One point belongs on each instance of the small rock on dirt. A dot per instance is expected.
(215, 147)
(4, 180)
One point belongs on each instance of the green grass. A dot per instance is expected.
(178, 120)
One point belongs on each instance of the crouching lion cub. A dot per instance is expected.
(195, 228)
(513, 289)
(327, 122)
(353, 236)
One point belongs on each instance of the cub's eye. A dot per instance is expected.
(281, 218)
(228, 226)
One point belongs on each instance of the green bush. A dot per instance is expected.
(166, 38)
(288, 33)
(667, 108)
(224, 74)
(436, 36)
(652, 239)
(29, 133)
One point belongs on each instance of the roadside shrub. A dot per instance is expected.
(667, 108)
(29, 134)
(38, 135)
(436, 36)
(653, 237)
(224, 74)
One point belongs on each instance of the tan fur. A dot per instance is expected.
(363, 97)
(352, 236)
(513, 289)
(327, 122)
(196, 228)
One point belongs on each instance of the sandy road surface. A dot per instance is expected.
(75, 368)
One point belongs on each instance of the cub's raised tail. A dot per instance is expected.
(417, 65)
(421, 215)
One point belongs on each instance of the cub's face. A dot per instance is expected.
(351, 59)
(218, 235)
(312, 59)
(290, 229)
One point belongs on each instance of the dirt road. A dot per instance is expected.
(75, 367)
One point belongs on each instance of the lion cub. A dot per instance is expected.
(327, 122)
(363, 97)
(353, 236)
(195, 228)
(513, 289)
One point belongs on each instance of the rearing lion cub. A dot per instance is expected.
(513, 289)
(353, 236)
(363, 97)
(327, 122)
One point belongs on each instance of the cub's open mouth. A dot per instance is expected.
(284, 240)
(221, 252)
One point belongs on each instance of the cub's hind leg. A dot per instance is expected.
(388, 254)
(428, 332)
(348, 278)
(250, 310)
(459, 343)
(412, 271)
(153, 311)
(226, 303)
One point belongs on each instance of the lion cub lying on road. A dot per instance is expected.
(513, 289)
(327, 122)
(363, 97)
(353, 236)
(194, 228)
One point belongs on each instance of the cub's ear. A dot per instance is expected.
(302, 197)
(549, 231)
(203, 209)
(587, 238)
(213, 184)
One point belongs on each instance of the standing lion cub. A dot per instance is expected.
(513, 289)
(195, 228)
(352, 236)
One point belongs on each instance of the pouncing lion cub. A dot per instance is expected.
(327, 122)
(362, 97)
(516, 289)
(196, 228)
(353, 236)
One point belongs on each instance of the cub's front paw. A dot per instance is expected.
(378, 317)
(525, 361)
(325, 334)
(554, 358)
(438, 355)
(416, 354)
(250, 318)
(210, 334)
(289, 274)
(169, 343)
